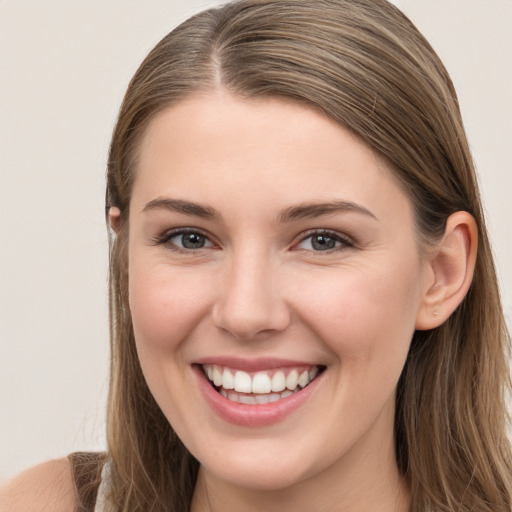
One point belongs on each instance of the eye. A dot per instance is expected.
(324, 241)
(185, 240)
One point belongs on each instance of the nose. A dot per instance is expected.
(250, 302)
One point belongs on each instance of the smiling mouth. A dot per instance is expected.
(261, 387)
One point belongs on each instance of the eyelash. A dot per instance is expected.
(344, 241)
(164, 239)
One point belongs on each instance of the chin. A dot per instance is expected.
(259, 475)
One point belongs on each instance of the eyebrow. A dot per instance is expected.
(296, 212)
(312, 210)
(185, 207)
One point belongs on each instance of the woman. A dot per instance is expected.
(304, 309)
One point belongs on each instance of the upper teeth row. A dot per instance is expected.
(260, 382)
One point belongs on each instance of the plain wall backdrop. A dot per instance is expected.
(64, 68)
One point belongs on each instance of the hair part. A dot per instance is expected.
(365, 65)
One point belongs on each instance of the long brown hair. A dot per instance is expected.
(364, 64)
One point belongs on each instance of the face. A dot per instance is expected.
(275, 282)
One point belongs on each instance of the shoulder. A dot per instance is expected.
(48, 487)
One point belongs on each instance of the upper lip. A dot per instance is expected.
(253, 365)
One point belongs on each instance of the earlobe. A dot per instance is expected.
(114, 217)
(451, 266)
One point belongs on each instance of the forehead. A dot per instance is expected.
(226, 150)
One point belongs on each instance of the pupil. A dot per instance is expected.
(323, 243)
(192, 241)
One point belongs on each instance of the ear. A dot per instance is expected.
(450, 268)
(114, 217)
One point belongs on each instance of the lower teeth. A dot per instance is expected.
(255, 399)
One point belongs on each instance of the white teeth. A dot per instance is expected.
(278, 382)
(255, 399)
(228, 381)
(292, 380)
(265, 388)
(304, 379)
(243, 382)
(248, 400)
(262, 399)
(234, 397)
(217, 376)
(261, 383)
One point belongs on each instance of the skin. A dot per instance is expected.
(259, 288)
(47, 487)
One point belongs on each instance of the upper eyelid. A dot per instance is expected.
(335, 234)
(166, 235)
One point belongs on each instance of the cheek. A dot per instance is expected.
(165, 304)
(366, 319)
(366, 315)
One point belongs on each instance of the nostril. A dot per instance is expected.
(250, 323)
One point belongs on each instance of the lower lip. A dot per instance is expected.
(259, 415)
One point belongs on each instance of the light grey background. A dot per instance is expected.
(63, 69)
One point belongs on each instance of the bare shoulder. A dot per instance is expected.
(47, 487)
